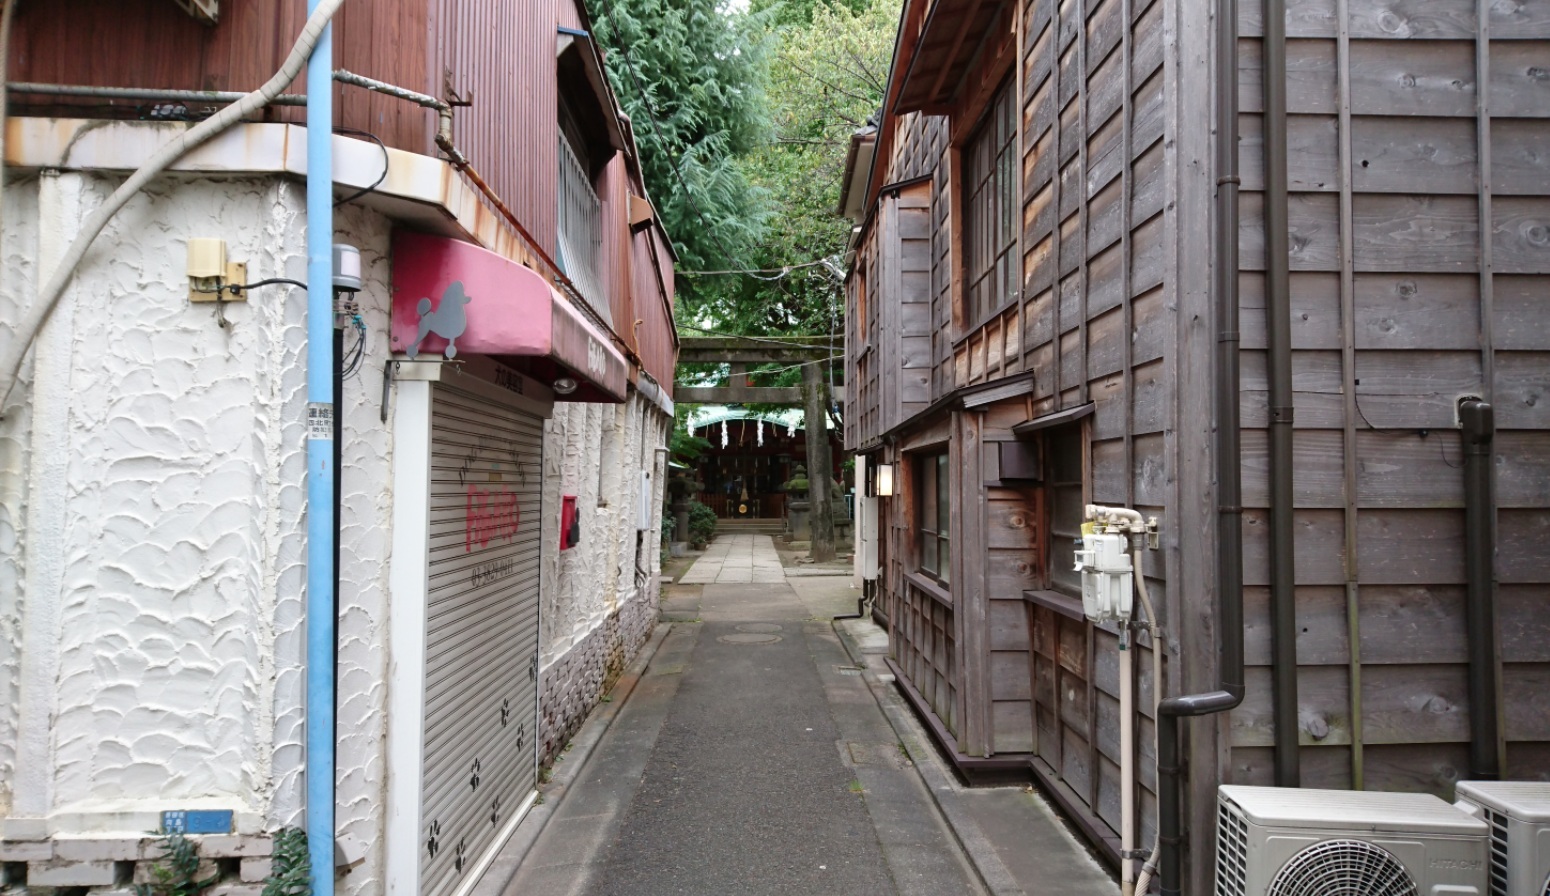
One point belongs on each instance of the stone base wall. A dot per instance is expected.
(575, 682)
(117, 866)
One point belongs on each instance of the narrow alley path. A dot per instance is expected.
(751, 757)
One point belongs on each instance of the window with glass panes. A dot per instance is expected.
(990, 220)
(933, 507)
(1063, 489)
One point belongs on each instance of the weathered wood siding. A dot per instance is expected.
(1094, 325)
(1417, 229)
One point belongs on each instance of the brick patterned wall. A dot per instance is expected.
(575, 682)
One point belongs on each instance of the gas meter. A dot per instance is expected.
(1104, 562)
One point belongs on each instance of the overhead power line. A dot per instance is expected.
(779, 272)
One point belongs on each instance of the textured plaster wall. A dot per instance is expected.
(599, 599)
(18, 255)
(170, 651)
(164, 650)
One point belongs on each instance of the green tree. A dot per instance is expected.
(827, 78)
(691, 75)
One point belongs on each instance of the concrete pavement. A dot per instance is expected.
(756, 749)
(737, 560)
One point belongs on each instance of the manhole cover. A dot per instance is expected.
(761, 627)
(749, 639)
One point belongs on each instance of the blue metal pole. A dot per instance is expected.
(320, 453)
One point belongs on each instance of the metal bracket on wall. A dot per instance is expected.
(428, 370)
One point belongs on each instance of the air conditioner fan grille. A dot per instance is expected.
(1343, 868)
(1498, 823)
(1232, 854)
(1547, 885)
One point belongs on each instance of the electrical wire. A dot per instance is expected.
(239, 288)
(357, 352)
(1390, 432)
(380, 178)
(784, 341)
(779, 272)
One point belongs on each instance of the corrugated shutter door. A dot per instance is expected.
(482, 630)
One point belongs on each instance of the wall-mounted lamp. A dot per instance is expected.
(885, 480)
(564, 386)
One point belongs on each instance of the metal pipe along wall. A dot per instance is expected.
(1229, 486)
(321, 532)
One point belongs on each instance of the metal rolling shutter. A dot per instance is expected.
(482, 631)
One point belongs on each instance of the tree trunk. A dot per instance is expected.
(820, 477)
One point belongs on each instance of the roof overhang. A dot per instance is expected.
(452, 298)
(579, 58)
(858, 173)
(951, 41)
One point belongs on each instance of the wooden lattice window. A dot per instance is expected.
(989, 210)
(933, 503)
(1063, 485)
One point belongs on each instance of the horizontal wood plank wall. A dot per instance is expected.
(1422, 311)
(154, 44)
(1095, 324)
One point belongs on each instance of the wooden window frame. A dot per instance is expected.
(990, 173)
(933, 503)
(1067, 475)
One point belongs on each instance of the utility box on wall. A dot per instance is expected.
(570, 523)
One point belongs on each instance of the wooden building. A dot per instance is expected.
(1035, 305)
(746, 477)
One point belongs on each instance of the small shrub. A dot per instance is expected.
(702, 525)
(177, 871)
(292, 869)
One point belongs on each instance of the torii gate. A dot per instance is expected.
(811, 396)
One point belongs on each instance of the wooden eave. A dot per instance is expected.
(952, 39)
(966, 398)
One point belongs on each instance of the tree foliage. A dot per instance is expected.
(691, 76)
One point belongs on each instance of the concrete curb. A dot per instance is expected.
(573, 759)
(938, 780)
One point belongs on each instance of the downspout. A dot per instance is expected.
(1229, 486)
(1478, 422)
(321, 532)
(1278, 323)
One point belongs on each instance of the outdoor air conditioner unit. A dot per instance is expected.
(1519, 815)
(1285, 842)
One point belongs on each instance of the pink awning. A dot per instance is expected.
(452, 298)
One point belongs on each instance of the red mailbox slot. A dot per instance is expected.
(570, 523)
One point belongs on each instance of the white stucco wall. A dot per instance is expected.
(152, 549)
(163, 659)
(18, 255)
(593, 449)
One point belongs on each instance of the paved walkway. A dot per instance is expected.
(737, 560)
(756, 749)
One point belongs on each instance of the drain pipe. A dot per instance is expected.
(1278, 321)
(1229, 486)
(321, 621)
(1478, 421)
